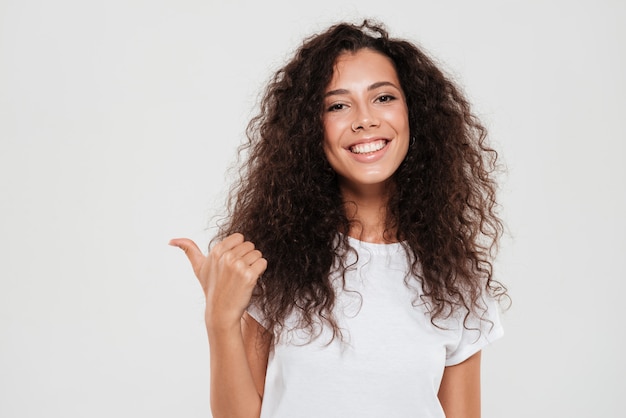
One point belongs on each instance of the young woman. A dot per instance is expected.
(352, 277)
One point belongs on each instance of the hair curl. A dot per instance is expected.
(288, 203)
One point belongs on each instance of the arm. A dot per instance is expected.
(257, 342)
(228, 275)
(238, 367)
(459, 392)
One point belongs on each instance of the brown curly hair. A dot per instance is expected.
(288, 203)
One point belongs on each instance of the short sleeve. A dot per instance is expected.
(255, 312)
(476, 335)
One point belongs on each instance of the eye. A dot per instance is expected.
(336, 107)
(385, 98)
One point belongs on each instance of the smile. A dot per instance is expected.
(369, 147)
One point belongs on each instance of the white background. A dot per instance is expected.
(119, 118)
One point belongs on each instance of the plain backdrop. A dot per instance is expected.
(119, 119)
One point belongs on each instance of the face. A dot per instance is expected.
(366, 124)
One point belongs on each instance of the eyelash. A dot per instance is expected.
(388, 98)
(335, 107)
(384, 98)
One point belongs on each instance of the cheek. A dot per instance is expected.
(330, 154)
(400, 119)
(326, 146)
(332, 135)
(329, 127)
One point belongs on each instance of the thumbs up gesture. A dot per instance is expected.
(228, 275)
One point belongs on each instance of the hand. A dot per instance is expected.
(228, 275)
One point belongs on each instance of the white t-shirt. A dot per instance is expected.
(391, 360)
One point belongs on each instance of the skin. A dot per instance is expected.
(364, 104)
(238, 351)
(459, 392)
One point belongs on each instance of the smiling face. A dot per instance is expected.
(366, 124)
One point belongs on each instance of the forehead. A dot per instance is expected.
(364, 65)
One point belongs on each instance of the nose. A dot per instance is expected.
(364, 119)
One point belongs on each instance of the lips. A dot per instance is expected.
(368, 147)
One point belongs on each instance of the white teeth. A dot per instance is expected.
(368, 147)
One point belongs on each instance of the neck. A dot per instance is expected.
(366, 209)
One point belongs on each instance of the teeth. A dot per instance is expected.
(368, 147)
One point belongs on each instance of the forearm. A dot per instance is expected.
(228, 275)
(233, 392)
(459, 392)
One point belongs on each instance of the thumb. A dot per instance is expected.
(191, 250)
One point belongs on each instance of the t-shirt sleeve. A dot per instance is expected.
(476, 335)
(255, 312)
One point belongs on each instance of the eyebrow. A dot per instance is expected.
(369, 88)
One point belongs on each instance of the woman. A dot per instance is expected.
(352, 277)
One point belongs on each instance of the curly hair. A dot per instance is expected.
(287, 199)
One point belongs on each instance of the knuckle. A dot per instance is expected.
(217, 250)
(228, 257)
(239, 264)
(250, 277)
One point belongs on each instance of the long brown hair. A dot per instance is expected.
(287, 200)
